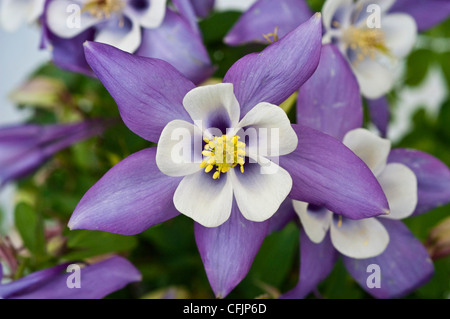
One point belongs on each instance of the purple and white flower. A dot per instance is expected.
(117, 22)
(414, 183)
(150, 187)
(142, 27)
(372, 44)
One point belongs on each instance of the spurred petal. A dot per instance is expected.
(433, 178)
(260, 191)
(358, 238)
(427, 13)
(174, 41)
(373, 150)
(400, 34)
(97, 281)
(179, 149)
(60, 18)
(228, 251)
(316, 221)
(330, 100)
(403, 267)
(399, 183)
(280, 69)
(375, 78)
(131, 197)
(206, 104)
(125, 35)
(267, 16)
(316, 263)
(275, 136)
(204, 199)
(327, 173)
(149, 14)
(149, 92)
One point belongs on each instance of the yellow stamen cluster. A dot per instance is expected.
(103, 9)
(366, 42)
(223, 152)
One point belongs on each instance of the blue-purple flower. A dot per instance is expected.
(150, 187)
(414, 183)
(142, 27)
(96, 281)
(374, 36)
(24, 148)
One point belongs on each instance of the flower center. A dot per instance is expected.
(103, 8)
(223, 153)
(366, 42)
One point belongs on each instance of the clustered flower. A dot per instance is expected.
(224, 153)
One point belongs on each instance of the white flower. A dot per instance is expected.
(372, 39)
(364, 238)
(233, 165)
(117, 22)
(13, 13)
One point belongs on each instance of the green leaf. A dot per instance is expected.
(86, 243)
(30, 228)
(418, 63)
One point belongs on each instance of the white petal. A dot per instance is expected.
(150, 17)
(375, 78)
(372, 149)
(64, 19)
(179, 149)
(210, 102)
(275, 135)
(385, 5)
(399, 183)
(36, 10)
(315, 223)
(332, 8)
(13, 13)
(125, 37)
(400, 33)
(259, 191)
(204, 199)
(364, 238)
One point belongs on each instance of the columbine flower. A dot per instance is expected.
(117, 22)
(371, 38)
(143, 27)
(14, 13)
(146, 188)
(24, 148)
(96, 281)
(414, 182)
(346, 26)
(373, 48)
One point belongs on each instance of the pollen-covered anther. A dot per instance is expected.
(223, 153)
(366, 42)
(103, 9)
